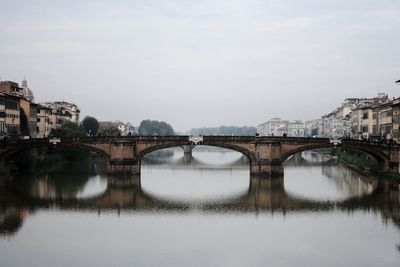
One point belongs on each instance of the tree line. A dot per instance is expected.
(224, 130)
(90, 126)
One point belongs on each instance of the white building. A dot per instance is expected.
(273, 127)
(313, 128)
(126, 129)
(296, 129)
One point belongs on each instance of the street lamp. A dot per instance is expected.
(398, 81)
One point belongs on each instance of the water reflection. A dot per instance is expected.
(263, 195)
(67, 181)
(316, 176)
(23, 195)
(261, 222)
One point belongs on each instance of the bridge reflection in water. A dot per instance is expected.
(263, 195)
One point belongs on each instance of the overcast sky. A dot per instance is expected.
(202, 63)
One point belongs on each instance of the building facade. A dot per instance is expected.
(126, 129)
(43, 122)
(62, 112)
(2, 114)
(273, 127)
(296, 129)
(11, 88)
(12, 110)
(313, 128)
(396, 119)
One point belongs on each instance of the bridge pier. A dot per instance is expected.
(187, 150)
(393, 167)
(274, 169)
(123, 167)
(266, 193)
(3, 167)
(122, 158)
(187, 159)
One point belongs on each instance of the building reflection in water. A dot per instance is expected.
(263, 195)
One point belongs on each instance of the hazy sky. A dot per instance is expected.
(202, 63)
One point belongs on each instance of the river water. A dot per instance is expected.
(203, 210)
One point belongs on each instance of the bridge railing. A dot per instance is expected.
(206, 139)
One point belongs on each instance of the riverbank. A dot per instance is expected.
(361, 162)
(47, 160)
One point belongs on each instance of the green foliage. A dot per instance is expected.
(358, 159)
(69, 129)
(108, 128)
(149, 127)
(393, 176)
(91, 125)
(224, 130)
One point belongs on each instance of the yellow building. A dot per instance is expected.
(43, 121)
(396, 119)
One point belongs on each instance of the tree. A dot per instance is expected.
(224, 130)
(69, 129)
(91, 125)
(108, 128)
(149, 127)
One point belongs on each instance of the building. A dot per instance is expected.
(366, 121)
(2, 114)
(126, 129)
(313, 128)
(43, 122)
(273, 127)
(26, 91)
(21, 116)
(62, 112)
(11, 88)
(296, 129)
(328, 125)
(342, 119)
(368, 115)
(12, 120)
(396, 119)
(354, 118)
(32, 120)
(384, 114)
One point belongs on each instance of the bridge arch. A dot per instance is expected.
(380, 157)
(245, 152)
(296, 150)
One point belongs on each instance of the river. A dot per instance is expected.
(200, 210)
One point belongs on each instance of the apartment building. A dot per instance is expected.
(43, 127)
(62, 112)
(2, 114)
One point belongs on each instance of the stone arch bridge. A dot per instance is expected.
(266, 154)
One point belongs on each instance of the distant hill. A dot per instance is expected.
(224, 130)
